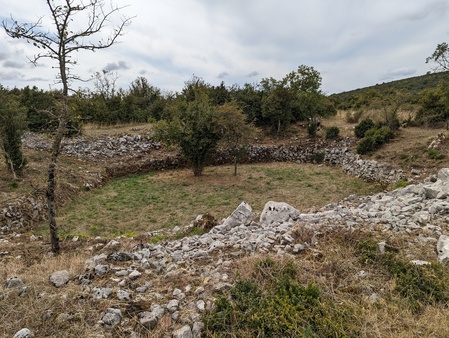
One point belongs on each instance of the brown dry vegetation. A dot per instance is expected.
(335, 269)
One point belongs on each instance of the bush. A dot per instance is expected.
(365, 146)
(332, 133)
(12, 125)
(318, 157)
(312, 128)
(363, 127)
(374, 138)
(273, 304)
(380, 135)
(400, 184)
(435, 155)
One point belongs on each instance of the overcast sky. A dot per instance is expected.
(352, 43)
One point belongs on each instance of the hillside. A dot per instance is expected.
(413, 86)
(346, 260)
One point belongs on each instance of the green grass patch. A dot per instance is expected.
(400, 184)
(143, 203)
(435, 155)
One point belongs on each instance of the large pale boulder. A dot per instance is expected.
(440, 188)
(278, 212)
(59, 278)
(443, 249)
(243, 215)
(443, 175)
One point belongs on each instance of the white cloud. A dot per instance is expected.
(352, 43)
(399, 73)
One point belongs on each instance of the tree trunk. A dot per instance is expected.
(51, 183)
(235, 165)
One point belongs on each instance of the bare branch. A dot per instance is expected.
(59, 46)
(441, 57)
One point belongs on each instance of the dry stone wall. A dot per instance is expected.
(132, 154)
(193, 270)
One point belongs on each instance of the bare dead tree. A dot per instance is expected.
(59, 44)
(441, 57)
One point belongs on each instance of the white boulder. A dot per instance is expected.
(278, 212)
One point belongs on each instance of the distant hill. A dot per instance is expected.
(412, 85)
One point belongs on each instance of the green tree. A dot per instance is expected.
(249, 99)
(144, 100)
(434, 106)
(12, 126)
(389, 104)
(297, 97)
(60, 45)
(277, 104)
(235, 133)
(192, 126)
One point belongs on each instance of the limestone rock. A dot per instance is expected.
(112, 317)
(59, 278)
(101, 270)
(101, 293)
(24, 333)
(183, 332)
(134, 275)
(443, 249)
(173, 305)
(148, 319)
(197, 328)
(278, 212)
(14, 282)
(443, 175)
(243, 215)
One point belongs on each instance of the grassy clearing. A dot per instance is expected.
(164, 200)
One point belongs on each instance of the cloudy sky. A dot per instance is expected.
(352, 43)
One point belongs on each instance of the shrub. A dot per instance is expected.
(318, 157)
(363, 127)
(374, 138)
(273, 304)
(312, 128)
(380, 135)
(332, 133)
(365, 146)
(12, 125)
(419, 285)
(435, 155)
(400, 184)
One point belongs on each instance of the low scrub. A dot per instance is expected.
(282, 308)
(332, 133)
(373, 139)
(418, 285)
(435, 155)
(363, 127)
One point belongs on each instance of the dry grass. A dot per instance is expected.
(94, 130)
(334, 267)
(174, 198)
(41, 304)
(336, 270)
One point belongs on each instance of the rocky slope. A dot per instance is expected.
(163, 289)
(193, 270)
